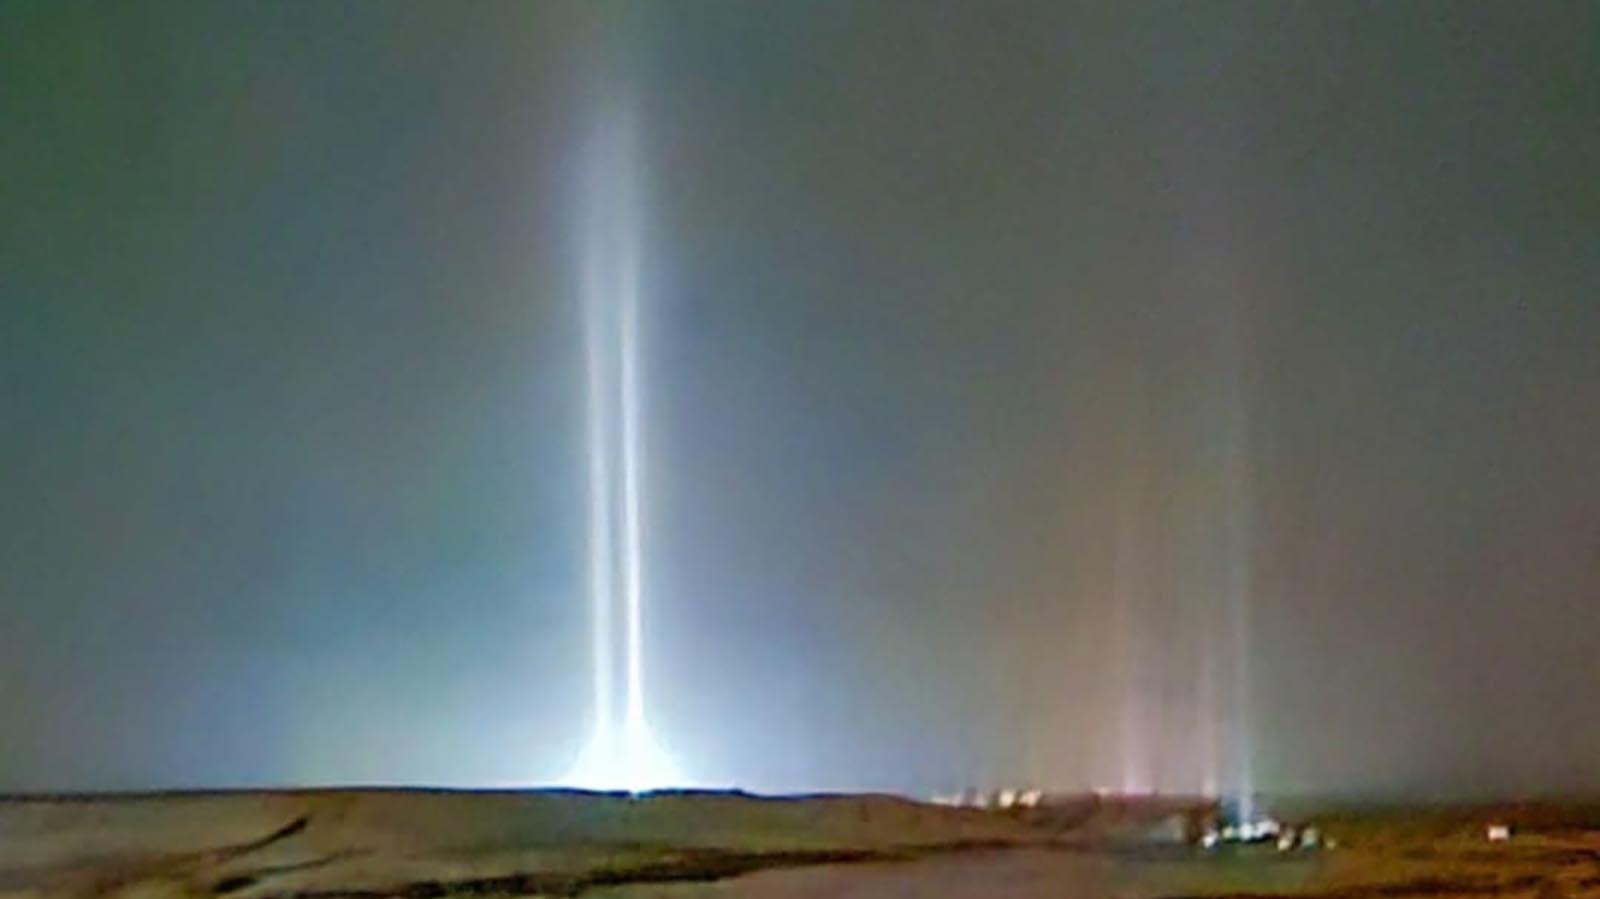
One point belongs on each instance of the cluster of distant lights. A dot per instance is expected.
(999, 799)
(1263, 830)
(1254, 830)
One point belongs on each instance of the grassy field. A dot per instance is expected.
(366, 844)
(360, 843)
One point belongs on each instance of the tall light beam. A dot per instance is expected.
(623, 753)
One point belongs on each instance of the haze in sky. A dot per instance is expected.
(1070, 394)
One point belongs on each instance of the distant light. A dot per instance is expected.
(1499, 833)
(633, 763)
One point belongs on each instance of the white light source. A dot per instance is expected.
(622, 754)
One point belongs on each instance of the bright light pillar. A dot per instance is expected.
(622, 754)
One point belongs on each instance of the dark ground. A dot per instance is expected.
(419, 844)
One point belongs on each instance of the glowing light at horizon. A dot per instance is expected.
(623, 753)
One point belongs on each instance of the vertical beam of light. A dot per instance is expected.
(632, 539)
(1133, 774)
(1206, 730)
(601, 564)
(1239, 535)
(1227, 668)
(1212, 266)
(623, 753)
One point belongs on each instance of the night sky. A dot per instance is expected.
(1004, 361)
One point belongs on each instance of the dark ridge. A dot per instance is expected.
(1422, 886)
(233, 884)
(294, 827)
(696, 866)
(682, 867)
(257, 875)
